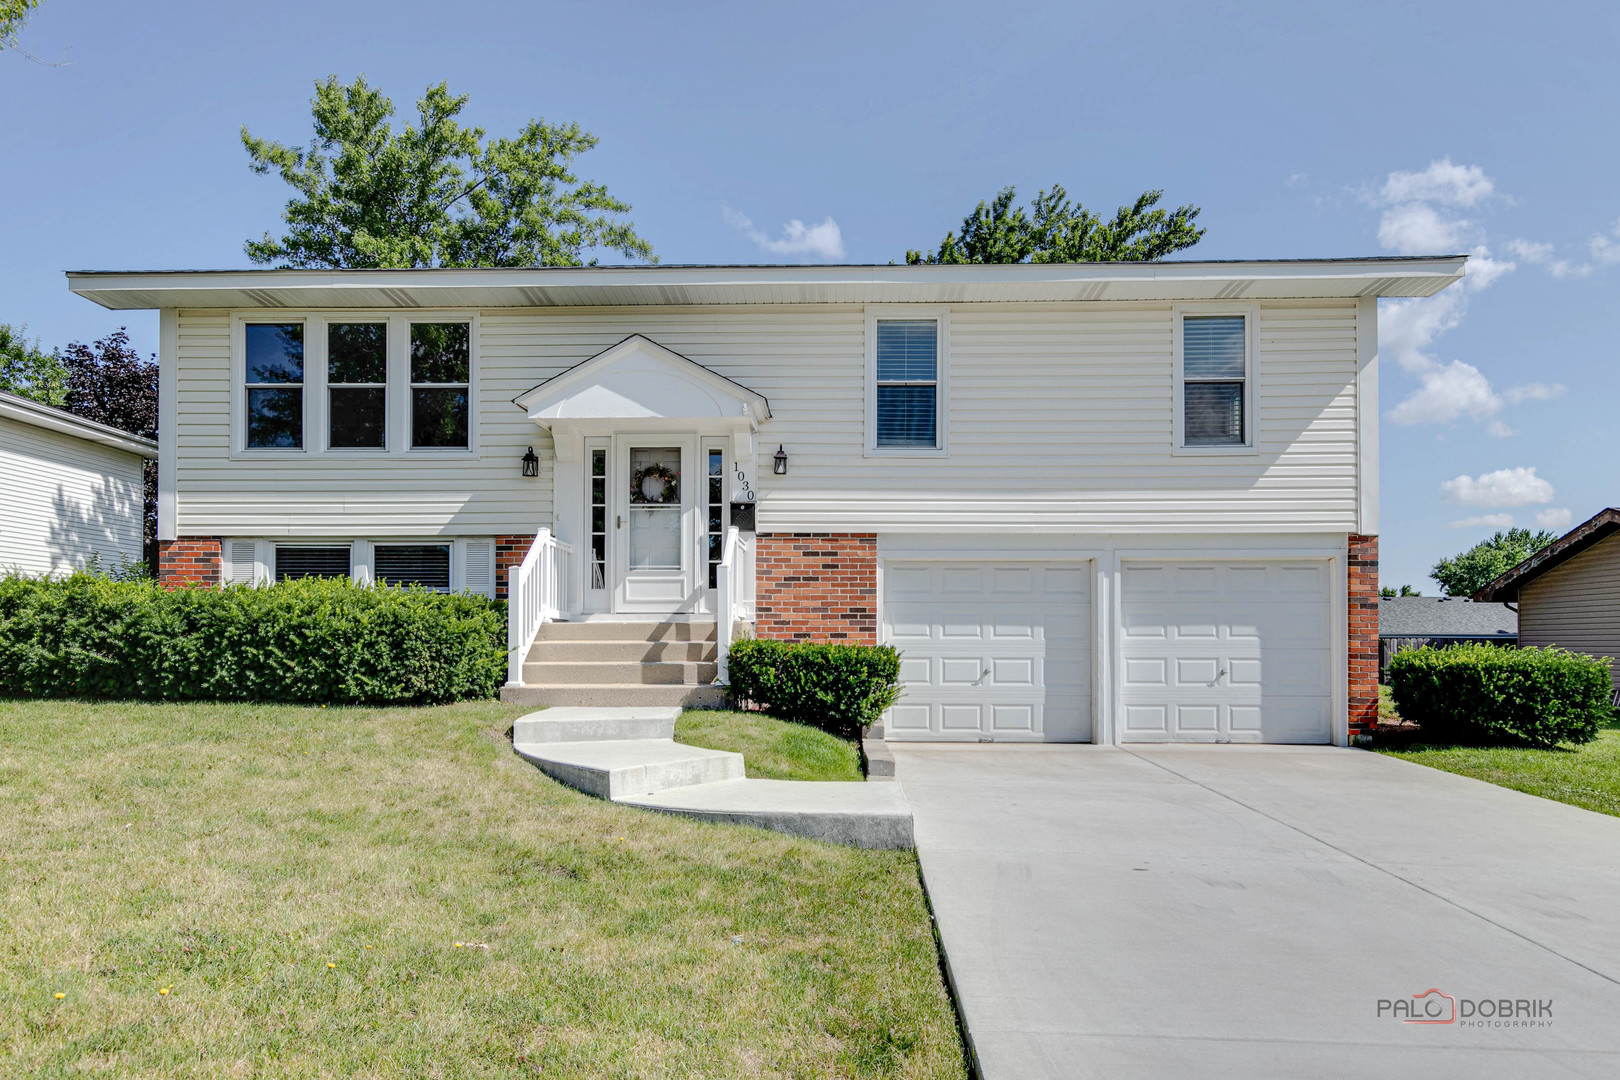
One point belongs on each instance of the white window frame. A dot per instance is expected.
(317, 428)
(362, 556)
(914, 312)
(1251, 381)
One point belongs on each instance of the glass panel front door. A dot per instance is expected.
(658, 499)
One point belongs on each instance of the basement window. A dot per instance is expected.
(427, 565)
(293, 562)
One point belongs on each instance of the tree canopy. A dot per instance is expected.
(29, 371)
(1472, 570)
(435, 193)
(13, 14)
(1056, 230)
(1388, 592)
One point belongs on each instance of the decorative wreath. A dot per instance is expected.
(672, 485)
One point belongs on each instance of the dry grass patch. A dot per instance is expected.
(390, 892)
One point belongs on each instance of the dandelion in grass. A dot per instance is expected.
(60, 996)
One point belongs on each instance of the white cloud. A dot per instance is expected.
(1420, 229)
(1406, 328)
(1449, 393)
(1442, 182)
(1504, 487)
(1606, 246)
(1496, 429)
(823, 241)
(1534, 392)
(1554, 520)
(1540, 254)
(1484, 521)
(1531, 251)
(1298, 179)
(1484, 271)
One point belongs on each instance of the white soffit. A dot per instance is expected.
(598, 286)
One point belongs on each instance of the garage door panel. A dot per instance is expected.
(992, 650)
(1226, 652)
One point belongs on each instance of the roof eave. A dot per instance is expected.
(1505, 589)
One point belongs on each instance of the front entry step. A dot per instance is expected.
(608, 662)
(613, 696)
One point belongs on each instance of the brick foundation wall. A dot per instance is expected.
(509, 551)
(816, 586)
(1363, 638)
(194, 560)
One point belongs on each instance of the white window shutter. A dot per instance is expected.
(478, 567)
(240, 566)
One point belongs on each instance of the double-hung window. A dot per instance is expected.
(441, 366)
(1215, 381)
(357, 385)
(906, 385)
(274, 383)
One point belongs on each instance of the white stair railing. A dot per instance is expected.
(536, 593)
(734, 595)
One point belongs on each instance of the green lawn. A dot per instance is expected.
(1586, 776)
(773, 749)
(391, 893)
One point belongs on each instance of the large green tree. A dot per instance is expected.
(434, 193)
(1471, 571)
(1055, 230)
(29, 371)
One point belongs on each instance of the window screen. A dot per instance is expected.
(274, 379)
(427, 565)
(441, 367)
(907, 383)
(1214, 372)
(302, 562)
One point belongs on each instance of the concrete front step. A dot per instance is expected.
(617, 630)
(629, 650)
(625, 768)
(583, 725)
(630, 695)
(863, 815)
(618, 672)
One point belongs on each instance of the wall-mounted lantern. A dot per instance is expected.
(531, 463)
(780, 461)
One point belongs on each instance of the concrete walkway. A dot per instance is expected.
(1242, 911)
(630, 756)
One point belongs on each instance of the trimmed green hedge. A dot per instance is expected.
(1474, 693)
(314, 640)
(839, 688)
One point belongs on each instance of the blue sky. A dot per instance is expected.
(1301, 129)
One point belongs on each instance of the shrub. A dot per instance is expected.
(839, 688)
(314, 640)
(1477, 693)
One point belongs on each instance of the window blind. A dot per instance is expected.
(907, 383)
(302, 562)
(427, 565)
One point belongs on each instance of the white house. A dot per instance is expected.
(71, 490)
(1110, 502)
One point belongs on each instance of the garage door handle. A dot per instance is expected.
(980, 679)
(1217, 677)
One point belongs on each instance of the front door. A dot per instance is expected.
(657, 496)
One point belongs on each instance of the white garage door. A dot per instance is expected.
(990, 650)
(1226, 652)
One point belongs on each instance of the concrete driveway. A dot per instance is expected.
(1242, 911)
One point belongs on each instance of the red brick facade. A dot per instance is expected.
(1363, 639)
(509, 551)
(192, 561)
(816, 586)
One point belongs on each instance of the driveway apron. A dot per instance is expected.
(1265, 911)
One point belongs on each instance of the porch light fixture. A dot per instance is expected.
(780, 461)
(531, 463)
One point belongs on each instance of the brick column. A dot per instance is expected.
(509, 551)
(1363, 639)
(194, 560)
(816, 587)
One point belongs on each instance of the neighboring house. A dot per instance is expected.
(1568, 593)
(71, 490)
(1108, 502)
(1413, 622)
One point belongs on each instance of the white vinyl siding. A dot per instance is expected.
(64, 500)
(1576, 605)
(1060, 419)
